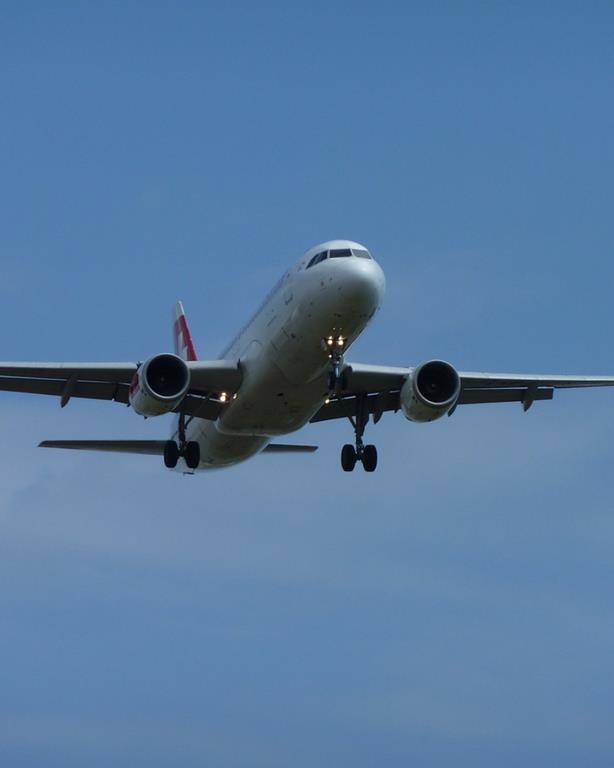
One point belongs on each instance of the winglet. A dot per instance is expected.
(184, 345)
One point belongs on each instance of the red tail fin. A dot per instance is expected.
(184, 346)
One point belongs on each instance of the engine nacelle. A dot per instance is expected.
(430, 391)
(159, 385)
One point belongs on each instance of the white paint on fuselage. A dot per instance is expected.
(285, 368)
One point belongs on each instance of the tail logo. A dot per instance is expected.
(184, 345)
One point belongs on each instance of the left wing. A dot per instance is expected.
(378, 387)
(111, 381)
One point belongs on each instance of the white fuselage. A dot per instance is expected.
(284, 362)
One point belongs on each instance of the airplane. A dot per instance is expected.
(285, 368)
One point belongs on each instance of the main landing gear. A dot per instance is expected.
(189, 450)
(367, 454)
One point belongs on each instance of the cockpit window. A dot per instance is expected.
(317, 259)
(339, 252)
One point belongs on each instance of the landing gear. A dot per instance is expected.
(366, 454)
(335, 348)
(190, 450)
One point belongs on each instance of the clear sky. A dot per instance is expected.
(457, 607)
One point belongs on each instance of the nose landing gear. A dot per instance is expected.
(335, 348)
(366, 454)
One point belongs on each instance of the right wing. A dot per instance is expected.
(111, 381)
(377, 388)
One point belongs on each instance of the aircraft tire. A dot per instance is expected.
(369, 458)
(348, 458)
(171, 454)
(192, 454)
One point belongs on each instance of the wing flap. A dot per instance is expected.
(122, 372)
(508, 380)
(94, 390)
(200, 407)
(478, 396)
(346, 407)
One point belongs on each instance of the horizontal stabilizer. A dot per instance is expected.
(150, 447)
(285, 448)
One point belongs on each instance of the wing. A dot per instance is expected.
(378, 387)
(111, 381)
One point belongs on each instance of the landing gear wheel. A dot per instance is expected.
(192, 454)
(348, 458)
(367, 454)
(369, 458)
(171, 454)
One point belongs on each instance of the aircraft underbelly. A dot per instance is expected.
(218, 450)
(268, 404)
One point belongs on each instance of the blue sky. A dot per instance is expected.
(456, 607)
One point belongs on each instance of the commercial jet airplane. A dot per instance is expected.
(285, 368)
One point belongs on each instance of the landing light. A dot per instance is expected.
(330, 341)
(340, 341)
(223, 397)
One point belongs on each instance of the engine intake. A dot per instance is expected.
(430, 391)
(159, 385)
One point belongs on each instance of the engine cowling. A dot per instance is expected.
(159, 385)
(430, 391)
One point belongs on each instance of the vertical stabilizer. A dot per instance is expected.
(184, 346)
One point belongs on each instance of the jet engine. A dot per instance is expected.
(159, 385)
(430, 391)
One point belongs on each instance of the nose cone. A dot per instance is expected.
(362, 284)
